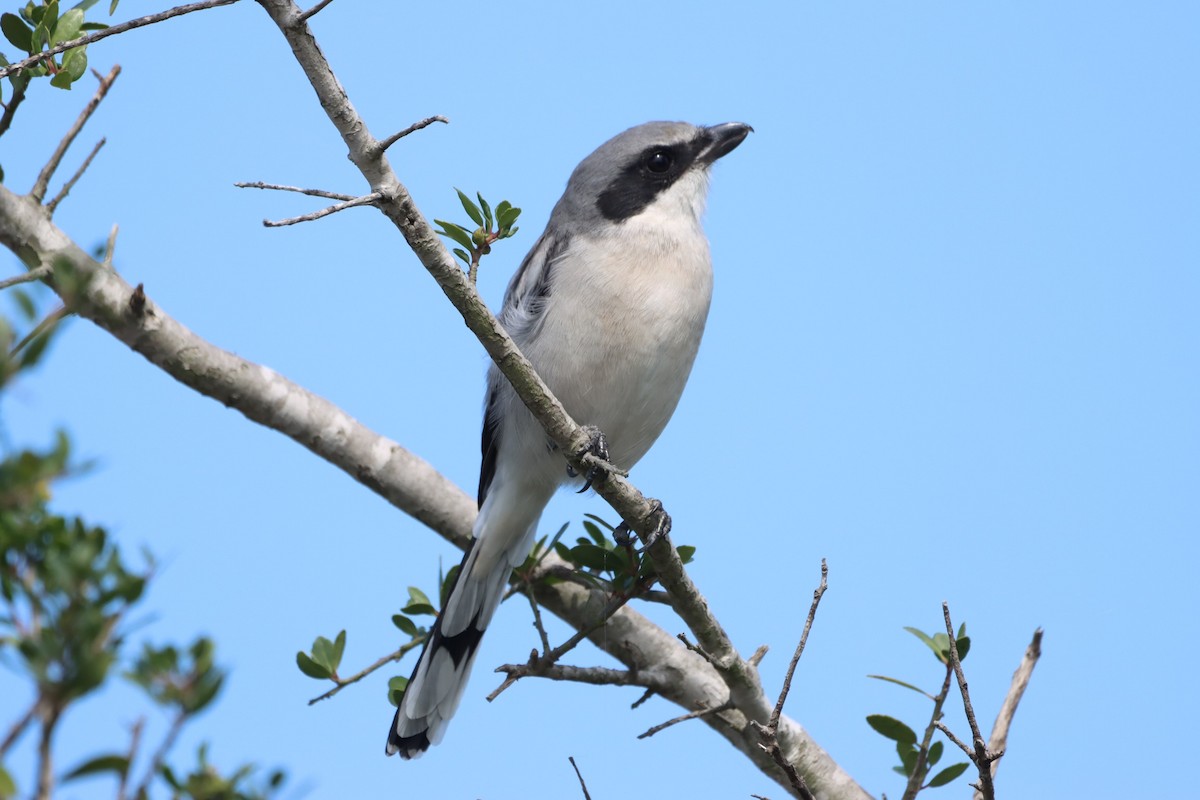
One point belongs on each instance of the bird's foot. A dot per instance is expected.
(660, 520)
(597, 447)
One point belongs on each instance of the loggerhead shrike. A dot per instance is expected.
(609, 306)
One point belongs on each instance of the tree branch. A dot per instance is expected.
(998, 741)
(112, 30)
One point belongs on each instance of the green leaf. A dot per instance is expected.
(506, 219)
(899, 683)
(686, 553)
(935, 753)
(419, 609)
(322, 653)
(892, 728)
(601, 522)
(74, 65)
(339, 646)
(396, 687)
(930, 643)
(448, 584)
(462, 254)
(963, 643)
(487, 211)
(504, 206)
(948, 774)
(469, 206)
(67, 27)
(415, 595)
(84, 5)
(311, 668)
(456, 232)
(908, 756)
(8, 787)
(112, 7)
(594, 532)
(17, 32)
(405, 624)
(25, 303)
(590, 556)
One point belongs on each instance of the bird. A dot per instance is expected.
(609, 307)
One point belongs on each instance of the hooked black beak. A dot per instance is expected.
(723, 138)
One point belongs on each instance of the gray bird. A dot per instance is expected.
(609, 307)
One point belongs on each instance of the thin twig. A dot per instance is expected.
(787, 680)
(43, 179)
(140, 22)
(52, 319)
(110, 246)
(135, 738)
(537, 621)
(579, 775)
(593, 676)
(66, 189)
(941, 726)
(281, 188)
(36, 274)
(390, 657)
(913, 787)
(416, 126)
(10, 108)
(18, 728)
(160, 755)
(365, 200)
(982, 758)
(998, 741)
(645, 696)
(315, 10)
(728, 704)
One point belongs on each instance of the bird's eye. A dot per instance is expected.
(659, 161)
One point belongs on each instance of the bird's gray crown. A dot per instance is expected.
(625, 174)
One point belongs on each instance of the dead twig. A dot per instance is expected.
(998, 741)
(278, 187)
(416, 126)
(43, 179)
(579, 775)
(767, 733)
(315, 9)
(26, 277)
(981, 757)
(365, 200)
(728, 704)
(66, 189)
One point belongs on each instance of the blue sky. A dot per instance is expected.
(953, 350)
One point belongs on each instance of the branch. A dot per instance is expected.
(10, 108)
(66, 189)
(358, 676)
(416, 126)
(18, 727)
(579, 775)
(684, 718)
(43, 179)
(38, 274)
(365, 200)
(770, 742)
(982, 758)
(281, 188)
(113, 30)
(998, 742)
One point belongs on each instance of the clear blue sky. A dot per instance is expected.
(953, 350)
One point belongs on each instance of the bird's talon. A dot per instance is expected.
(597, 446)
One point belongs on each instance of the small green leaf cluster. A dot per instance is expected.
(205, 782)
(39, 26)
(909, 746)
(908, 750)
(488, 229)
(618, 568)
(186, 681)
(326, 656)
